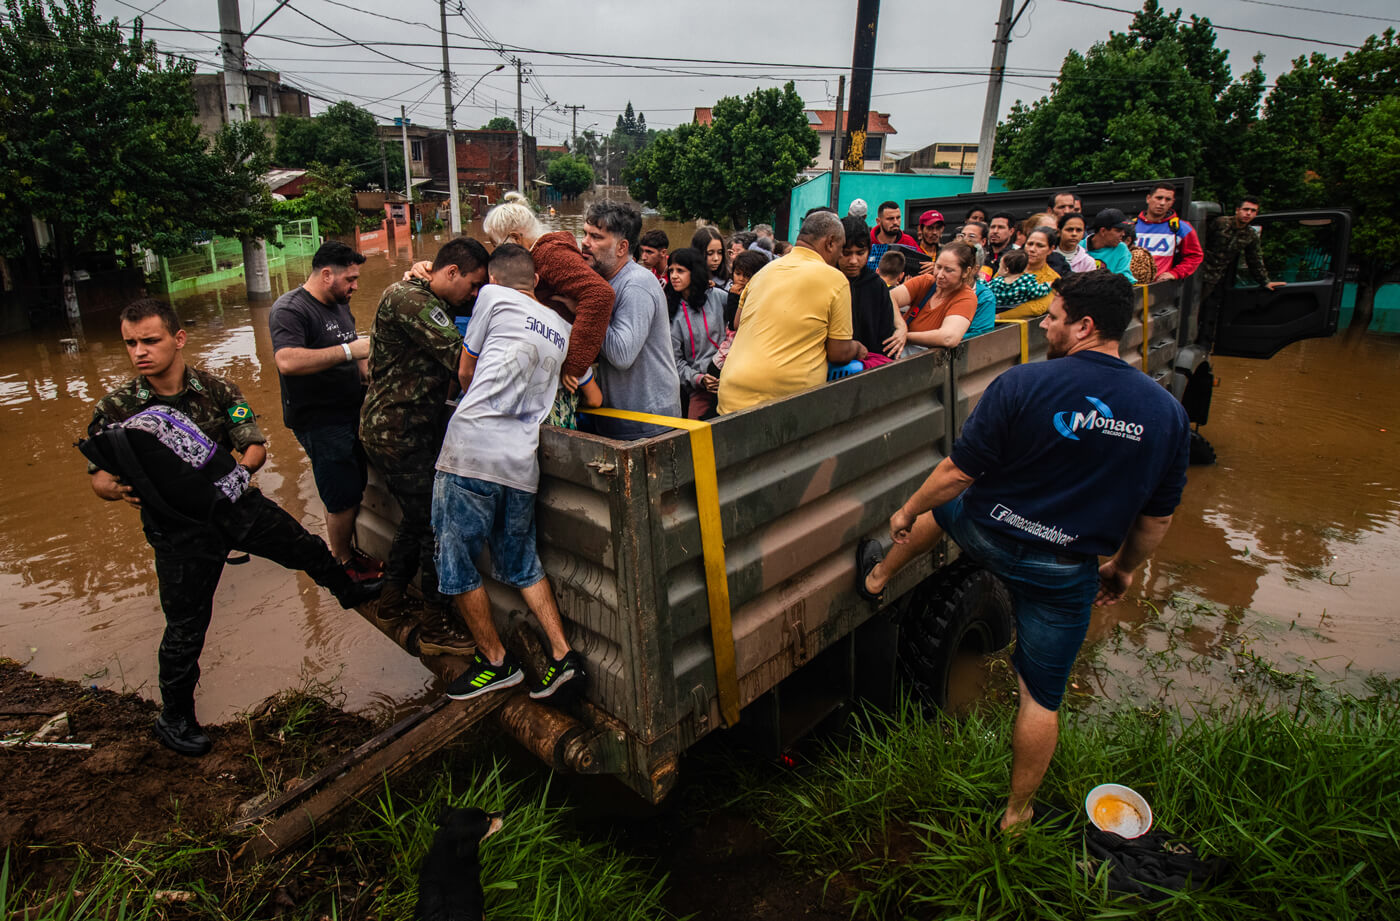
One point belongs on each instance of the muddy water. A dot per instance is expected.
(78, 590)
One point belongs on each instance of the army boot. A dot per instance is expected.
(439, 633)
(178, 730)
(395, 603)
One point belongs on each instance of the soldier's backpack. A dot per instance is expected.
(177, 471)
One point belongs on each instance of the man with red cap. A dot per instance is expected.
(930, 233)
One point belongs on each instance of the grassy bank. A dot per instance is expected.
(899, 815)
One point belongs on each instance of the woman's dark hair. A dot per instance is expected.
(700, 242)
(694, 260)
(1052, 236)
(1065, 218)
(976, 209)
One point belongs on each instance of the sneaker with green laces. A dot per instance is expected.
(557, 674)
(482, 678)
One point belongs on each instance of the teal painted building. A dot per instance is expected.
(874, 188)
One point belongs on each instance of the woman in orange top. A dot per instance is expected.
(942, 303)
(1039, 243)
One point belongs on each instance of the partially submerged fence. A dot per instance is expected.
(220, 259)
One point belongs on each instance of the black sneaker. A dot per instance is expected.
(558, 673)
(482, 678)
(180, 733)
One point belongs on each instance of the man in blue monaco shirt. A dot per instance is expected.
(1061, 462)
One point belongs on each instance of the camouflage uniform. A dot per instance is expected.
(1226, 239)
(414, 350)
(189, 558)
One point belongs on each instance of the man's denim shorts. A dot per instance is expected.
(337, 463)
(469, 513)
(1052, 594)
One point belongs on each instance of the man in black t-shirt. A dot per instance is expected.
(321, 365)
(1060, 463)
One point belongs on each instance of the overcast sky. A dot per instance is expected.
(812, 37)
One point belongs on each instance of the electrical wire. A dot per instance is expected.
(1309, 9)
(1217, 27)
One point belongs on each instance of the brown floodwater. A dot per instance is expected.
(1291, 538)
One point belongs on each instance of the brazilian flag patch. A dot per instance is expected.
(239, 413)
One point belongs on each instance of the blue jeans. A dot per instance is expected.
(1052, 594)
(469, 513)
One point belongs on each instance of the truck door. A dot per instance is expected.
(1306, 249)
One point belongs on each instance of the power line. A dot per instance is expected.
(1309, 9)
(1218, 28)
(353, 41)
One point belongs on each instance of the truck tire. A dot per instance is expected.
(963, 606)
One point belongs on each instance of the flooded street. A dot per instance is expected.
(1287, 545)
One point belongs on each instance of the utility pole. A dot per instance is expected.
(520, 128)
(455, 201)
(836, 137)
(862, 75)
(407, 170)
(575, 128)
(256, 276)
(982, 175)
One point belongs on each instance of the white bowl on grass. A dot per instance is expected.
(1119, 809)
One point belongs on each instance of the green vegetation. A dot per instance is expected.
(327, 196)
(1159, 100)
(738, 168)
(570, 175)
(499, 123)
(535, 867)
(346, 136)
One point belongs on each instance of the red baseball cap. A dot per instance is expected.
(930, 217)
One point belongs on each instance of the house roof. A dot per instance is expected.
(822, 120)
(276, 179)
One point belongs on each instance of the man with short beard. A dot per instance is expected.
(636, 369)
(1061, 462)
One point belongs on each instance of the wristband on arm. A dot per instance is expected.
(349, 356)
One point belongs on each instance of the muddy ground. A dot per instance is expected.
(55, 803)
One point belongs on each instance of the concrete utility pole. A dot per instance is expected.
(575, 109)
(982, 175)
(256, 276)
(407, 170)
(520, 128)
(455, 202)
(836, 137)
(862, 75)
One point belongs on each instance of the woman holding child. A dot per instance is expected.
(697, 329)
(1039, 243)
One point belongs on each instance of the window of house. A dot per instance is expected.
(415, 150)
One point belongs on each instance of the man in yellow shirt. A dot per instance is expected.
(794, 317)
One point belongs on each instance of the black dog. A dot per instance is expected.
(449, 881)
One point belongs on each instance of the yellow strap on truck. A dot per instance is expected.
(1146, 321)
(702, 455)
(1025, 335)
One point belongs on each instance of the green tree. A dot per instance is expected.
(343, 134)
(737, 168)
(326, 196)
(499, 123)
(630, 136)
(570, 175)
(1156, 100)
(97, 138)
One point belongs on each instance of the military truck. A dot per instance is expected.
(708, 577)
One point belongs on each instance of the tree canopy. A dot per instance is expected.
(739, 167)
(97, 138)
(344, 134)
(570, 175)
(499, 123)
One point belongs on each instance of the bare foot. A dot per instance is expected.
(1011, 819)
(874, 580)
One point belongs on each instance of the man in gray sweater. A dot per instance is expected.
(636, 369)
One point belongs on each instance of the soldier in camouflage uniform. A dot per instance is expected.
(414, 352)
(1226, 239)
(190, 558)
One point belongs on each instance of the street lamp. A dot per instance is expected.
(493, 70)
(455, 219)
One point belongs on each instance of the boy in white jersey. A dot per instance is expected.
(488, 472)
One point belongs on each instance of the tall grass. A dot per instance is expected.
(900, 814)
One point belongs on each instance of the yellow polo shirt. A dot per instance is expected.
(787, 312)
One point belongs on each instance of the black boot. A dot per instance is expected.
(352, 594)
(178, 731)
